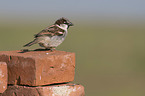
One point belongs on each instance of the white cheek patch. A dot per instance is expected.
(63, 26)
(60, 32)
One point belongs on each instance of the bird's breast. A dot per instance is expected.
(53, 41)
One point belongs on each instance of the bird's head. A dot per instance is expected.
(62, 21)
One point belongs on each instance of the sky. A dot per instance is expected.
(74, 8)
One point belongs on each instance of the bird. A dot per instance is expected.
(52, 36)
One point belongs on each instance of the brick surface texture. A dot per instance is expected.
(35, 68)
(3, 77)
(53, 90)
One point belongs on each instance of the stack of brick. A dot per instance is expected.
(38, 73)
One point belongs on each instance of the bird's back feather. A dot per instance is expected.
(50, 31)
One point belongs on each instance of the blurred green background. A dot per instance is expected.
(108, 39)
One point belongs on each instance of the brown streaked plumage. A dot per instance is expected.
(50, 31)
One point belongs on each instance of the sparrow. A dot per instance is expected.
(52, 36)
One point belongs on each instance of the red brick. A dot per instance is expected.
(53, 90)
(3, 77)
(39, 67)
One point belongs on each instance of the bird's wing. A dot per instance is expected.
(50, 31)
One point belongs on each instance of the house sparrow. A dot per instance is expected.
(52, 36)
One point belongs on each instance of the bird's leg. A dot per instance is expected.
(54, 48)
(51, 49)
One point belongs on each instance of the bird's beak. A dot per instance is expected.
(70, 24)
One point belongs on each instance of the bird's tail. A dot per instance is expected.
(30, 43)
